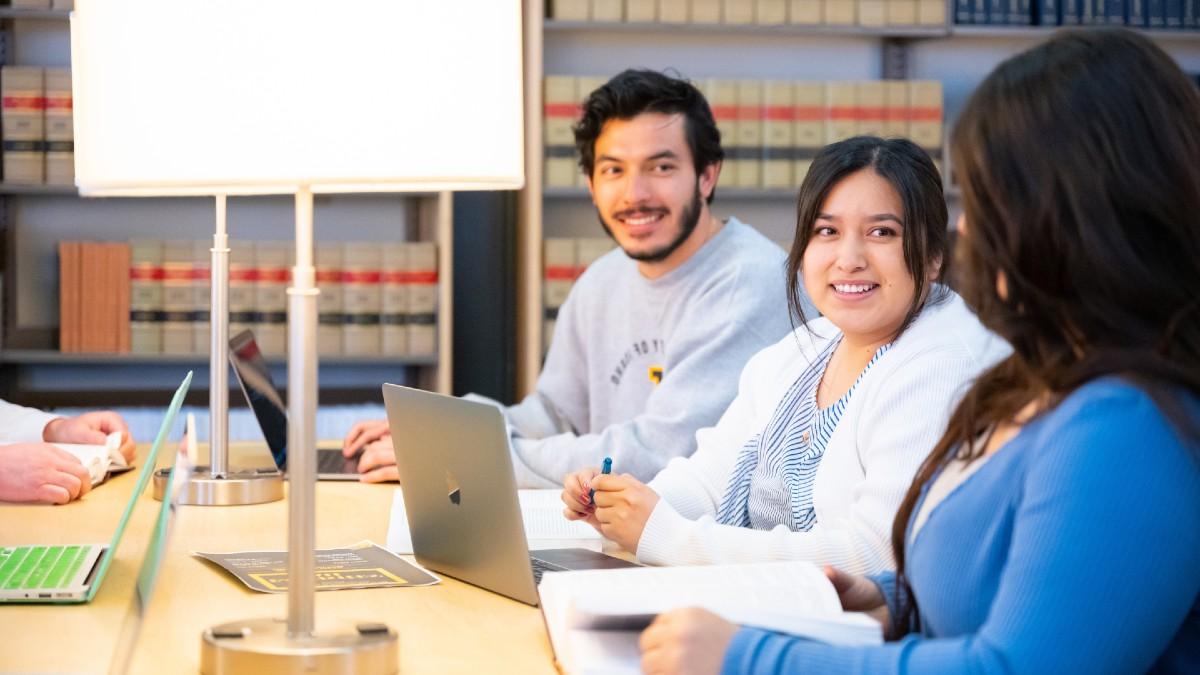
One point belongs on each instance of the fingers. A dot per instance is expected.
(376, 455)
(575, 492)
(48, 493)
(363, 433)
(128, 446)
(381, 475)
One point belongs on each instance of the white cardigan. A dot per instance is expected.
(897, 413)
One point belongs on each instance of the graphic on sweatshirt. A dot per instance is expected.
(656, 374)
(639, 349)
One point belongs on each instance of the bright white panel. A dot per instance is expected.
(246, 96)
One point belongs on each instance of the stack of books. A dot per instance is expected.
(94, 296)
(770, 130)
(875, 13)
(63, 5)
(564, 261)
(1173, 14)
(39, 145)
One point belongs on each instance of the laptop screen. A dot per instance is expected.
(255, 379)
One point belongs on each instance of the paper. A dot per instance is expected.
(100, 460)
(363, 565)
(541, 512)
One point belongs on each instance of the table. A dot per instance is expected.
(449, 627)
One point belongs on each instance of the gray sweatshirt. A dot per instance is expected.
(638, 365)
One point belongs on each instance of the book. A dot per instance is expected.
(59, 128)
(1071, 11)
(1022, 12)
(748, 149)
(964, 11)
(870, 106)
(841, 101)
(394, 305)
(145, 296)
(739, 11)
(641, 11)
(421, 277)
(999, 12)
(69, 286)
(361, 298)
(178, 294)
(569, 10)
(558, 276)
(541, 511)
(674, 11)
(1173, 13)
(841, 12)
(202, 296)
(594, 617)
(873, 13)
(778, 128)
(607, 10)
(99, 460)
(560, 110)
(770, 12)
(931, 12)
(23, 93)
(584, 86)
(895, 108)
(925, 116)
(329, 302)
(242, 275)
(901, 13)
(119, 257)
(706, 11)
(270, 296)
(806, 12)
(722, 97)
(1047, 12)
(808, 130)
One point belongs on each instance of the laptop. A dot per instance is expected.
(460, 493)
(259, 389)
(73, 573)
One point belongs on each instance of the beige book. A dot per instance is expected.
(177, 333)
(361, 297)
(328, 259)
(895, 108)
(24, 125)
(778, 135)
(584, 86)
(561, 109)
(706, 11)
(925, 115)
(841, 12)
(559, 259)
(241, 286)
(270, 296)
(931, 12)
(422, 278)
(872, 13)
(608, 10)
(749, 134)
(394, 308)
(641, 11)
(674, 11)
(569, 10)
(808, 129)
(738, 11)
(870, 108)
(60, 131)
(30, 4)
(589, 251)
(806, 12)
(901, 12)
(64, 5)
(771, 12)
(145, 296)
(722, 98)
(841, 100)
(201, 296)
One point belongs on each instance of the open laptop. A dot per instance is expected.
(460, 493)
(255, 378)
(73, 573)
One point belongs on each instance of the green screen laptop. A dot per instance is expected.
(73, 573)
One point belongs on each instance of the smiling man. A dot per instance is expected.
(649, 344)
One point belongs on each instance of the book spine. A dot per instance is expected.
(422, 281)
(177, 298)
(559, 258)
(270, 296)
(722, 98)
(749, 134)
(242, 276)
(706, 11)
(770, 12)
(895, 108)
(608, 10)
(806, 12)
(202, 296)
(329, 302)
(119, 273)
(361, 297)
(1048, 13)
(569, 10)
(1070, 12)
(964, 11)
(870, 107)
(931, 12)
(872, 13)
(982, 11)
(641, 11)
(841, 101)
(24, 101)
(925, 117)
(68, 295)
(1173, 13)
(59, 129)
(809, 130)
(841, 12)
(738, 11)
(145, 296)
(1022, 13)
(674, 11)
(778, 129)
(584, 86)
(561, 110)
(902, 13)
(394, 311)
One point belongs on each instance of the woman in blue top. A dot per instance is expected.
(1056, 525)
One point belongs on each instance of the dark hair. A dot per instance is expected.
(911, 172)
(1081, 189)
(633, 92)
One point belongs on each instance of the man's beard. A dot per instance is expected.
(688, 219)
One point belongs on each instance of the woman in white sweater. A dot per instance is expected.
(814, 455)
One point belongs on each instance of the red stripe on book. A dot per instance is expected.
(32, 102)
(243, 274)
(571, 110)
(146, 273)
(177, 274)
(361, 277)
(749, 112)
(59, 103)
(808, 113)
(844, 112)
(725, 112)
(419, 277)
(560, 273)
(329, 276)
(273, 275)
(870, 113)
(779, 113)
(925, 114)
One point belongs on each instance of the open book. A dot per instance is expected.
(100, 460)
(541, 511)
(594, 616)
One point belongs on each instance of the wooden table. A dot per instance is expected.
(449, 627)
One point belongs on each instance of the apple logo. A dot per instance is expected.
(453, 491)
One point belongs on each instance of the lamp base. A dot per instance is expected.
(263, 646)
(254, 486)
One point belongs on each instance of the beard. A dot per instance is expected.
(689, 218)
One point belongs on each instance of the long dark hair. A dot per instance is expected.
(1081, 189)
(912, 173)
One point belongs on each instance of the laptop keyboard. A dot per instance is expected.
(330, 462)
(40, 566)
(541, 566)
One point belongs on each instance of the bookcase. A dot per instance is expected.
(611, 39)
(35, 218)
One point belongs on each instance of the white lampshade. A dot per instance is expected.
(178, 97)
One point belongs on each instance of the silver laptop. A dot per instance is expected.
(461, 495)
(72, 573)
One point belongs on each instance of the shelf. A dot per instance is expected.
(53, 357)
(784, 30)
(55, 14)
(24, 189)
(1042, 32)
(739, 194)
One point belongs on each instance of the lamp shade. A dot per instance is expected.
(179, 97)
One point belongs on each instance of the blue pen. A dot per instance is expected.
(605, 468)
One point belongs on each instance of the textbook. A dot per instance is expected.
(100, 460)
(594, 617)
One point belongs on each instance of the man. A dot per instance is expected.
(32, 470)
(651, 340)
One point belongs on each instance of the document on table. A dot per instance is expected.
(363, 565)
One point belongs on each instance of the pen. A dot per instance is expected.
(605, 468)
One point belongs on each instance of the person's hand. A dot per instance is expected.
(686, 641)
(363, 433)
(378, 462)
(39, 472)
(860, 594)
(576, 495)
(90, 429)
(623, 505)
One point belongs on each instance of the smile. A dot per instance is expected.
(854, 289)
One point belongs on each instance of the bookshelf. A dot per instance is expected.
(956, 55)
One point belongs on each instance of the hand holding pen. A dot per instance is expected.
(618, 506)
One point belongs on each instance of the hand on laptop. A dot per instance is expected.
(622, 504)
(90, 428)
(363, 433)
(39, 472)
(377, 464)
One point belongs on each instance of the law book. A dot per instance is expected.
(749, 145)
(925, 117)
(901, 13)
(559, 258)
(1023, 12)
(99, 460)
(561, 109)
(771, 12)
(569, 10)
(329, 303)
(1071, 11)
(778, 131)
(23, 92)
(421, 275)
(91, 311)
(870, 106)
(270, 296)
(242, 277)
(872, 13)
(1047, 12)
(361, 297)
(841, 12)
(738, 11)
(841, 100)
(119, 257)
(59, 128)
(177, 333)
(999, 12)
(608, 10)
(394, 304)
(806, 12)
(895, 108)
(594, 617)
(641, 11)
(722, 97)
(674, 11)
(808, 129)
(202, 296)
(145, 296)
(1111, 12)
(706, 11)
(931, 12)
(1087, 12)
(584, 86)
(1173, 11)
(964, 12)
(69, 287)
(982, 11)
